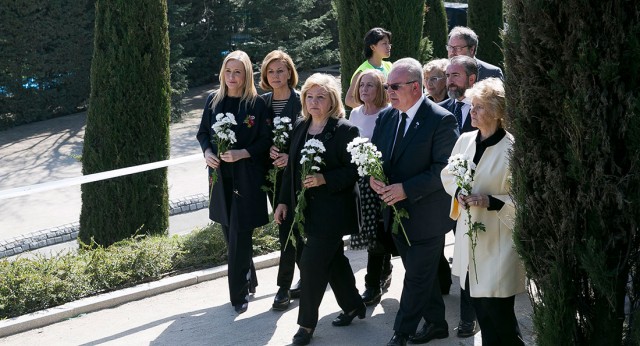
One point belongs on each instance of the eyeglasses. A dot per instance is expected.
(434, 80)
(456, 49)
(396, 86)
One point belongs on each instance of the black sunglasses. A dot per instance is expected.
(396, 86)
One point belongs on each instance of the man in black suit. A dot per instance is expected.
(416, 138)
(461, 75)
(464, 41)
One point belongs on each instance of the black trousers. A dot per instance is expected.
(289, 255)
(497, 320)
(467, 311)
(241, 271)
(421, 297)
(379, 258)
(323, 261)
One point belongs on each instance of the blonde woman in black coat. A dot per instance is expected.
(331, 210)
(237, 201)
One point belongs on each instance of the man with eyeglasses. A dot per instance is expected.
(461, 75)
(464, 41)
(416, 137)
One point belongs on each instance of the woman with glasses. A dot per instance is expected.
(377, 46)
(237, 201)
(379, 244)
(492, 271)
(435, 79)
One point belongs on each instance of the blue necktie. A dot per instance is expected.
(458, 113)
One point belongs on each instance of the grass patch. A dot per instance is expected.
(32, 284)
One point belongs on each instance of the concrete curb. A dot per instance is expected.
(68, 232)
(111, 299)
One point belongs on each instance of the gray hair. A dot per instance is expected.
(468, 35)
(411, 66)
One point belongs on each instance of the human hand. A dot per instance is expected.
(234, 155)
(313, 180)
(376, 185)
(392, 194)
(477, 200)
(211, 159)
(281, 160)
(280, 213)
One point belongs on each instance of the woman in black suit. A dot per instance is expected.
(331, 210)
(278, 74)
(237, 201)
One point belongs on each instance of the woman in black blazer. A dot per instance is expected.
(237, 201)
(332, 210)
(278, 74)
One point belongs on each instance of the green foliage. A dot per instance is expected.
(128, 122)
(403, 19)
(435, 27)
(485, 18)
(179, 30)
(30, 285)
(573, 100)
(305, 29)
(47, 45)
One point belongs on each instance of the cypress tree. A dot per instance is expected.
(128, 121)
(435, 27)
(403, 18)
(574, 100)
(485, 18)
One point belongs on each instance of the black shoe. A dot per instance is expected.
(466, 329)
(371, 296)
(385, 283)
(295, 291)
(240, 308)
(345, 319)
(429, 332)
(302, 337)
(281, 300)
(398, 339)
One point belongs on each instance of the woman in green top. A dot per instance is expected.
(377, 46)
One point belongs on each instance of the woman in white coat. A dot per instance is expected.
(499, 271)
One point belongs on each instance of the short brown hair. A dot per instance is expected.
(331, 86)
(277, 55)
(382, 98)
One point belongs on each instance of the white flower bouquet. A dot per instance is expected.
(367, 157)
(311, 162)
(224, 138)
(281, 128)
(463, 169)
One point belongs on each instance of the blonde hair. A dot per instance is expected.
(490, 92)
(382, 98)
(437, 64)
(331, 86)
(278, 55)
(249, 93)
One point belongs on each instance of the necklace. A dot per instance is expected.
(317, 132)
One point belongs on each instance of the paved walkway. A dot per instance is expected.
(201, 315)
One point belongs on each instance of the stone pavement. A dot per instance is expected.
(49, 150)
(200, 314)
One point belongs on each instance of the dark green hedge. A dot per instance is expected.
(486, 19)
(573, 96)
(403, 18)
(128, 121)
(47, 46)
(435, 27)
